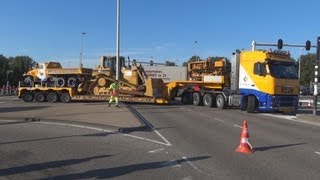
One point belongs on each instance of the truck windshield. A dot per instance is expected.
(283, 70)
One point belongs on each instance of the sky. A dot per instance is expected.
(158, 30)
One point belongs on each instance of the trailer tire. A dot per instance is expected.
(220, 101)
(39, 97)
(251, 107)
(52, 97)
(27, 97)
(208, 100)
(65, 97)
(197, 99)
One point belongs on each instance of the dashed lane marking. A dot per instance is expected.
(317, 152)
(237, 126)
(156, 150)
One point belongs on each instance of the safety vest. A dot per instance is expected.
(114, 89)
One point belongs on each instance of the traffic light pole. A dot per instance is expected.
(316, 72)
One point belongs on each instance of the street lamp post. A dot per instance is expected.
(118, 40)
(81, 48)
(299, 60)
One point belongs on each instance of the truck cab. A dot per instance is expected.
(266, 80)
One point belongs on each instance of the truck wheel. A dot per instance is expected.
(60, 82)
(251, 107)
(65, 97)
(27, 81)
(52, 97)
(186, 98)
(27, 97)
(197, 99)
(208, 100)
(244, 104)
(39, 97)
(72, 82)
(220, 102)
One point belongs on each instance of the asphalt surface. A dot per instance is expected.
(138, 141)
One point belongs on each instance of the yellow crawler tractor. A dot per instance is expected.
(133, 80)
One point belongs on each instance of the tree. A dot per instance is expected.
(192, 59)
(170, 63)
(3, 69)
(307, 68)
(18, 65)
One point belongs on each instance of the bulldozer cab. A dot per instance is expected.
(107, 65)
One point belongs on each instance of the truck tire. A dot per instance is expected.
(186, 98)
(244, 104)
(65, 97)
(27, 82)
(52, 97)
(72, 82)
(251, 107)
(60, 82)
(220, 101)
(27, 97)
(197, 99)
(39, 97)
(208, 100)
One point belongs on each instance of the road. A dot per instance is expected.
(183, 142)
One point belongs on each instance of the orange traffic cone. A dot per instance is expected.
(245, 146)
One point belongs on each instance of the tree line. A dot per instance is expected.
(13, 68)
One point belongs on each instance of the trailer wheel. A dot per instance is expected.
(251, 107)
(197, 99)
(27, 97)
(52, 97)
(220, 101)
(39, 97)
(208, 100)
(65, 97)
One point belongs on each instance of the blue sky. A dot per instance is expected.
(162, 29)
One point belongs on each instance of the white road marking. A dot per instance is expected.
(317, 152)
(191, 164)
(104, 130)
(217, 119)
(156, 150)
(293, 118)
(237, 126)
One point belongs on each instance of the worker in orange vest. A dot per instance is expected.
(114, 91)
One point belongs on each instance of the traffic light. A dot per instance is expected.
(151, 63)
(308, 45)
(280, 44)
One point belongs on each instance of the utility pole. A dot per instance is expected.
(315, 85)
(118, 40)
(81, 48)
